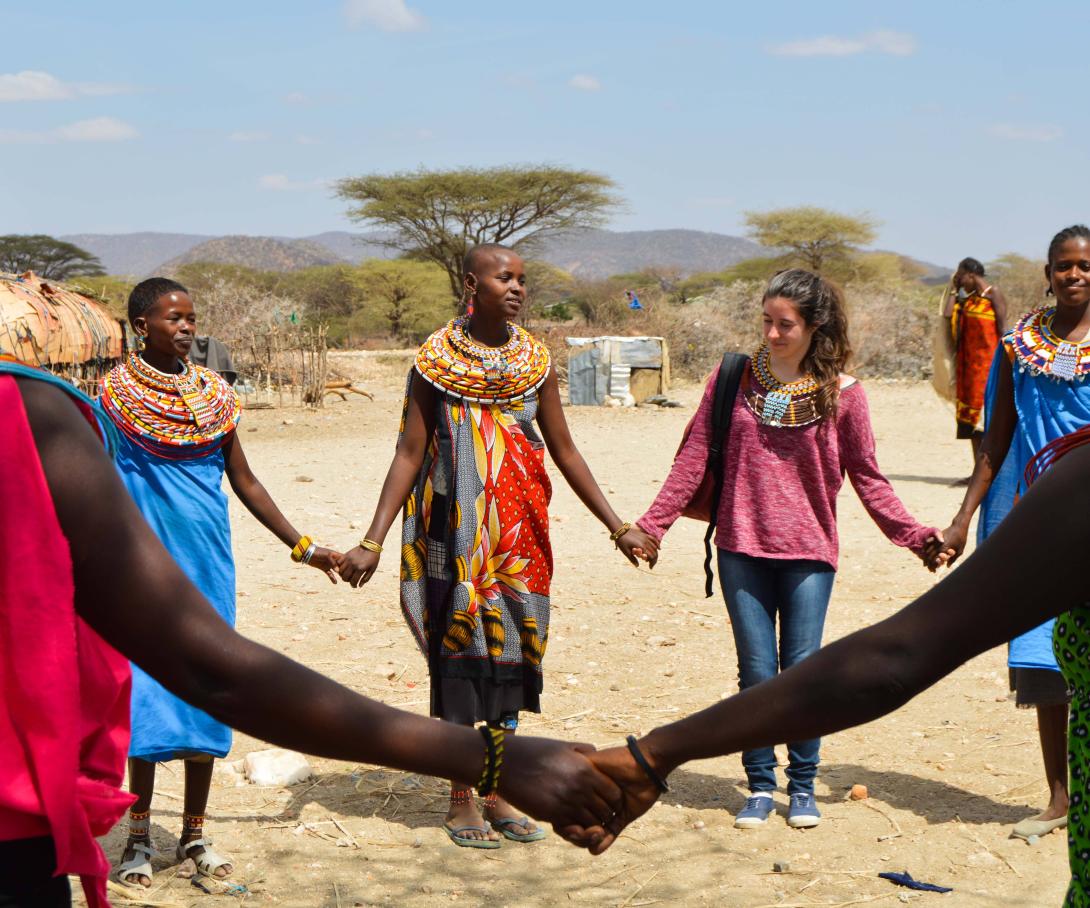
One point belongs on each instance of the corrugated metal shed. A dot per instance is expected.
(609, 370)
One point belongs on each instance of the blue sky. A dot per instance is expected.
(961, 126)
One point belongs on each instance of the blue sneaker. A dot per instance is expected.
(803, 811)
(755, 813)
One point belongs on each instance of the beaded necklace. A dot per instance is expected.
(776, 403)
(456, 364)
(174, 416)
(1040, 351)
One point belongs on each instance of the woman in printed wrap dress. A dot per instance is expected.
(476, 563)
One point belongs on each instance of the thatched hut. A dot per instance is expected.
(43, 324)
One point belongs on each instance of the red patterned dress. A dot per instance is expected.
(975, 339)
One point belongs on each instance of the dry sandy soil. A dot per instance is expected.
(948, 774)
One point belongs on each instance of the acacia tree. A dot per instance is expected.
(815, 238)
(436, 215)
(405, 299)
(46, 257)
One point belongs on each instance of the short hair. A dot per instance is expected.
(145, 294)
(971, 265)
(469, 263)
(1068, 233)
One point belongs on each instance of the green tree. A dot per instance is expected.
(405, 299)
(814, 238)
(437, 215)
(46, 257)
(1022, 281)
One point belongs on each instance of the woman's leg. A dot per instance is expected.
(463, 812)
(749, 590)
(198, 783)
(804, 588)
(141, 784)
(1052, 728)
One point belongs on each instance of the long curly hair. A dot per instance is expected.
(821, 305)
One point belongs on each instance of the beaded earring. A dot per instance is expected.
(469, 305)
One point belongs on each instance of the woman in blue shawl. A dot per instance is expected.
(1036, 394)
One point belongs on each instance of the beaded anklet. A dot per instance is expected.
(461, 797)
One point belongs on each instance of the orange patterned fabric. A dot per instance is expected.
(975, 337)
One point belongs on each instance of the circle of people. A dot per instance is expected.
(130, 488)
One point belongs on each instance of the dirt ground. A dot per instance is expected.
(948, 774)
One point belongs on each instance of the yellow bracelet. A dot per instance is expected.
(619, 532)
(300, 549)
(371, 546)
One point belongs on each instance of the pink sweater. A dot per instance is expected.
(780, 484)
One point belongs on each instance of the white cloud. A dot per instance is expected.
(97, 129)
(34, 85)
(307, 140)
(241, 135)
(386, 15)
(1018, 133)
(280, 182)
(582, 82)
(897, 44)
(296, 97)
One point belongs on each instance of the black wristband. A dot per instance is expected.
(641, 760)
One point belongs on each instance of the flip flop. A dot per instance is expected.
(502, 826)
(455, 834)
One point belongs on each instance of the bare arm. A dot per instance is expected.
(949, 299)
(359, 564)
(993, 451)
(252, 493)
(132, 593)
(989, 600)
(999, 304)
(574, 469)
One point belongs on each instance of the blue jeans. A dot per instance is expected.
(757, 590)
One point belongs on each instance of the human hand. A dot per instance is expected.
(357, 566)
(326, 560)
(638, 792)
(556, 782)
(636, 544)
(954, 537)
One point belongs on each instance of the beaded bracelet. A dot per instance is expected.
(493, 759)
(300, 549)
(641, 761)
(619, 532)
(371, 545)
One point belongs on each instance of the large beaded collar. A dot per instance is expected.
(1039, 351)
(456, 364)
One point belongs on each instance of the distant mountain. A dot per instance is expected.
(600, 253)
(260, 252)
(135, 254)
(585, 253)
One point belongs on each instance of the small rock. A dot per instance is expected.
(304, 479)
(661, 641)
(287, 422)
(614, 686)
(858, 793)
(418, 842)
(669, 673)
(1033, 839)
(252, 429)
(699, 824)
(277, 767)
(781, 866)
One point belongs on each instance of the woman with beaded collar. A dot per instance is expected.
(798, 425)
(1036, 394)
(476, 564)
(178, 438)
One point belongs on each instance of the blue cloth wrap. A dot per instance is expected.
(1047, 409)
(184, 502)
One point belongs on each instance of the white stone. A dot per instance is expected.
(277, 767)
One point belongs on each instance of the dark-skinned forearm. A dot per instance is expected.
(987, 601)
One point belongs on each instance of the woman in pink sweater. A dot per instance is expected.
(797, 426)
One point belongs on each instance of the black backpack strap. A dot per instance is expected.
(726, 391)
